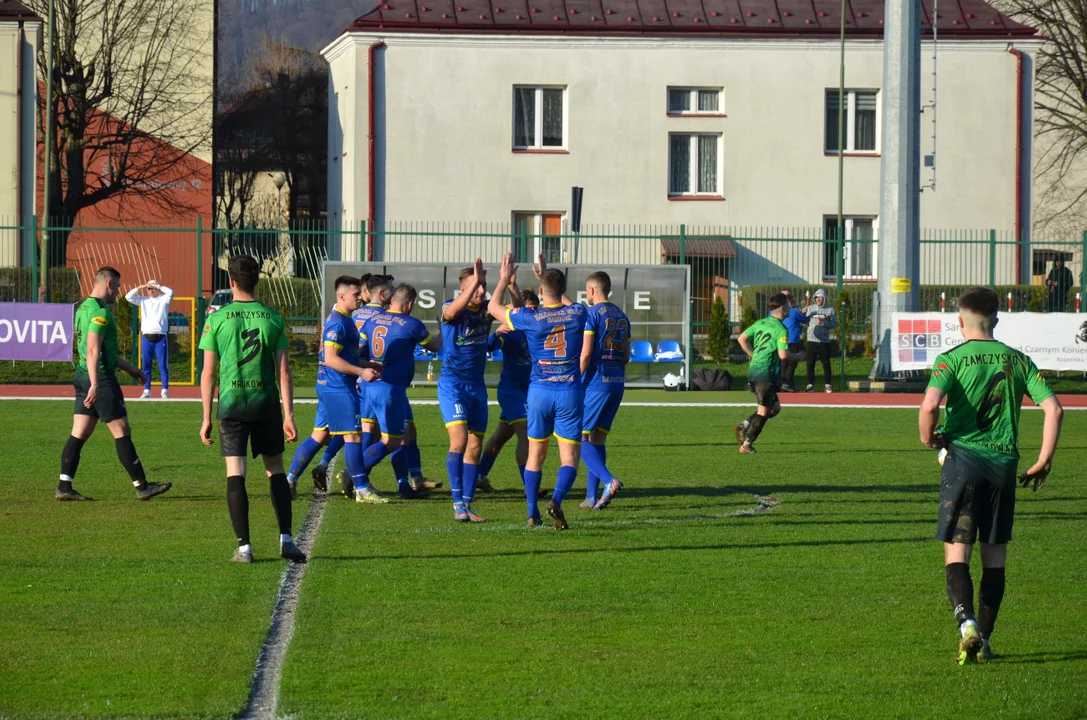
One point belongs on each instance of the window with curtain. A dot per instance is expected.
(693, 164)
(858, 248)
(694, 101)
(539, 118)
(861, 120)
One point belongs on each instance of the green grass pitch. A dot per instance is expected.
(671, 603)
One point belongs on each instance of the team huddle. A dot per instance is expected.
(563, 376)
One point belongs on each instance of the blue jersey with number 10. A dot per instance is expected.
(391, 338)
(555, 334)
(608, 328)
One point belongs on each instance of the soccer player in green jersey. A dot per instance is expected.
(251, 341)
(97, 392)
(984, 381)
(767, 344)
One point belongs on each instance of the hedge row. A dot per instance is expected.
(17, 284)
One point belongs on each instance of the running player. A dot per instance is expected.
(462, 392)
(97, 392)
(512, 390)
(767, 344)
(984, 381)
(339, 367)
(604, 356)
(390, 338)
(555, 333)
(252, 342)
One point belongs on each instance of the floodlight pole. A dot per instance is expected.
(43, 266)
(900, 175)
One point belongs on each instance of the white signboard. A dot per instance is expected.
(1055, 341)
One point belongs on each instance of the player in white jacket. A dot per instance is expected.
(154, 331)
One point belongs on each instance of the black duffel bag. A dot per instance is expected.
(711, 379)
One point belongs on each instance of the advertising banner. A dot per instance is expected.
(1055, 341)
(36, 331)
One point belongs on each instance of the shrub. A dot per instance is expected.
(718, 334)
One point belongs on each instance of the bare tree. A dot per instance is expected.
(1060, 102)
(132, 99)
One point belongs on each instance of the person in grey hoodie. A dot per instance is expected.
(821, 320)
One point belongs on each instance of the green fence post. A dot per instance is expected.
(524, 244)
(134, 323)
(33, 258)
(363, 237)
(992, 259)
(1083, 269)
(690, 311)
(842, 342)
(839, 268)
(199, 295)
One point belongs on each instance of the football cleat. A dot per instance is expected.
(986, 653)
(71, 495)
(347, 488)
(241, 556)
(809, 389)
(484, 485)
(747, 449)
(460, 513)
(152, 489)
(473, 515)
(290, 551)
(969, 646)
(828, 388)
(554, 511)
(787, 388)
(370, 496)
(421, 483)
(610, 491)
(535, 521)
(411, 494)
(741, 433)
(320, 477)
(587, 504)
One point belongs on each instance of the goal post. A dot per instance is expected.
(181, 344)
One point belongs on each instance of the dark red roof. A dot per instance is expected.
(736, 18)
(14, 10)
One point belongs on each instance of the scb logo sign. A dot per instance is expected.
(920, 340)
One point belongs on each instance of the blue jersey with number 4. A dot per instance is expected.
(391, 338)
(555, 335)
(339, 332)
(608, 329)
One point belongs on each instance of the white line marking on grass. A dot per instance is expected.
(264, 693)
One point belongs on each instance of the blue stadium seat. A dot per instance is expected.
(496, 356)
(641, 351)
(669, 346)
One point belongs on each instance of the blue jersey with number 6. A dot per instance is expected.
(391, 338)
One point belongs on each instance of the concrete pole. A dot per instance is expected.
(900, 180)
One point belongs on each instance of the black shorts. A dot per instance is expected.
(109, 402)
(265, 436)
(766, 393)
(977, 499)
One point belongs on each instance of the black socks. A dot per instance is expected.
(757, 423)
(238, 502)
(990, 593)
(69, 462)
(130, 461)
(960, 591)
(281, 501)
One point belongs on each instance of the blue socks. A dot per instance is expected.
(374, 454)
(368, 440)
(356, 468)
(454, 462)
(334, 447)
(415, 463)
(486, 462)
(469, 475)
(563, 483)
(399, 461)
(594, 457)
(302, 457)
(533, 478)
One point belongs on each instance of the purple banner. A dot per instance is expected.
(36, 331)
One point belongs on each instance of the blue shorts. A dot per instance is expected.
(464, 404)
(514, 404)
(600, 409)
(366, 410)
(390, 406)
(337, 411)
(557, 413)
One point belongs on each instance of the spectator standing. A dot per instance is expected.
(794, 323)
(1059, 281)
(821, 320)
(154, 331)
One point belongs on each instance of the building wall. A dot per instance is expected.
(447, 105)
(17, 106)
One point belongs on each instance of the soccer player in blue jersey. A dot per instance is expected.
(390, 338)
(462, 393)
(604, 356)
(339, 366)
(555, 332)
(512, 390)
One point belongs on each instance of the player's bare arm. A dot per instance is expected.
(1051, 433)
(791, 356)
(367, 370)
(506, 273)
(132, 370)
(745, 345)
(929, 417)
(586, 352)
(207, 392)
(286, 392)
(460, 302)
(434, 344)
(94, 353)
(514, 291)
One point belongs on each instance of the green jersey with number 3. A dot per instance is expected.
(767, 336)
(246, 336)
(985, 381)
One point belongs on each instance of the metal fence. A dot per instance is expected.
(743, 266)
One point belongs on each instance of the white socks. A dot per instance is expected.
(965, 625)
(245, 548)
(284, 539)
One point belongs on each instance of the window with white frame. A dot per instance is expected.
(693, 165)
(539, 118)
(858, 247)
(861, 121)
(537, 233)
(694, 101)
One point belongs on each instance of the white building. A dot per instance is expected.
(692, 113)
(20, 35)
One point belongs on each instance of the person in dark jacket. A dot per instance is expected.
(1059, 282)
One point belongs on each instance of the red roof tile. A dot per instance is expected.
(716, 18)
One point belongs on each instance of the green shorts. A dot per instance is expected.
(977, 499)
